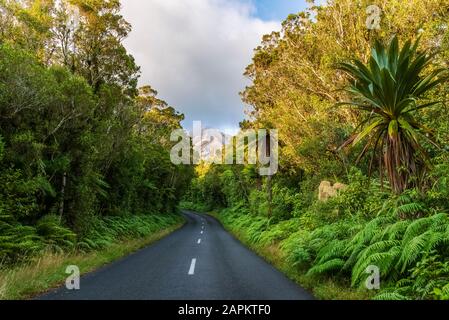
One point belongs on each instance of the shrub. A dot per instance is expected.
(111, 229)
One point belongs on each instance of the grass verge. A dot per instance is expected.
(325, 289)
(47, 271)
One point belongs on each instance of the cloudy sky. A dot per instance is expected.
(194, 52)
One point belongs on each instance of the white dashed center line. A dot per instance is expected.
(202, 231)
(199, 241)
(192, 267)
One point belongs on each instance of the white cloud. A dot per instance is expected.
(194, 53)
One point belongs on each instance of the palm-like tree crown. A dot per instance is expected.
(388, 89)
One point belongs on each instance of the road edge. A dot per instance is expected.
(263, 254)
(326, 289)
(54, 276)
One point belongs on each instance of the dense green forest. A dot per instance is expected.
(364, 108)
(363, 126)
(84, 152)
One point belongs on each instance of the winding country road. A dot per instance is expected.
(200, 261)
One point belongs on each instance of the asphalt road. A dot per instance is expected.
(200, 261)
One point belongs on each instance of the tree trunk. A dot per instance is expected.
(61, 203)
(270, 196)
(269, 178)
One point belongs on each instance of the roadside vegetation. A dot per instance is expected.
(366, 109)
(84, 153)
(47, 270)
(85, 170)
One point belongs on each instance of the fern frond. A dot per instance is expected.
(331, 265)
(413, 249)
(416, 228)
(390, 296)
(335, 249)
